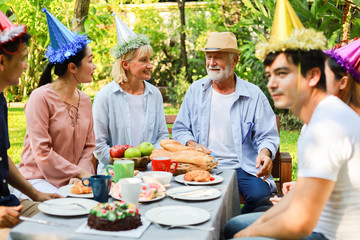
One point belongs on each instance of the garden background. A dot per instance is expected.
(177, 31)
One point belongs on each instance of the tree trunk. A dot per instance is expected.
(183, 55)
(80, 14)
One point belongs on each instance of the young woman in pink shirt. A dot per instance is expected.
(60, 140)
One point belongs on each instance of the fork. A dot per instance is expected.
(184, 226)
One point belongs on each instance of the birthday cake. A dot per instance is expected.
(115, 216)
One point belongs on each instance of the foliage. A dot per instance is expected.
(289, 121)
(177, 91)
(249, 20)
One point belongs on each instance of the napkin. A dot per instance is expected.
(135, 233)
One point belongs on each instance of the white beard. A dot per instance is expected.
(221, 76)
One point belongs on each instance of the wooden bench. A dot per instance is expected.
(282, 164)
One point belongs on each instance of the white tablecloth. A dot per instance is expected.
(221, 210)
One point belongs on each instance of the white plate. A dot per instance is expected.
(217, 179)
(178, 215)
(66, 206)
(160, 196)
(193, 193)
(65, 190)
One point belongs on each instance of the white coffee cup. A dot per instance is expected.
(131, 188)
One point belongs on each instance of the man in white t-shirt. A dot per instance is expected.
(232, 118)
(324, 204)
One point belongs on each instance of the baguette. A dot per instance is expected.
(174, 146)
(187, 156)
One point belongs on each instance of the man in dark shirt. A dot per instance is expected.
(13, 52)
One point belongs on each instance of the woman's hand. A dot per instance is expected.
(287, 186)
(275, 200)
(74, 181)
(84, 174)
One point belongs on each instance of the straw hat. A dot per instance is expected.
(221, 42)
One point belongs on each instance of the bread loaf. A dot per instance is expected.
(186, 155)
(174, 146)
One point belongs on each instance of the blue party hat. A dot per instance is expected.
(127, 40)
(63, 43)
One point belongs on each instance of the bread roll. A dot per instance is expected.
(79, 188)
(198, 176)
(174, 146)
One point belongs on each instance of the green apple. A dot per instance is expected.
(146, 148)
(132, 152)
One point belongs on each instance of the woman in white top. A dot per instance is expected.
(128, 110)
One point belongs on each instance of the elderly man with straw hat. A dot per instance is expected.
(324, 203)
(231, 118)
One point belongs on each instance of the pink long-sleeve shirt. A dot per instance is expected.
(55, 150)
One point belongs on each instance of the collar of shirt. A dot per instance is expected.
(240, 89)
(116, 88)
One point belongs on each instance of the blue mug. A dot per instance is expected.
(100, 185)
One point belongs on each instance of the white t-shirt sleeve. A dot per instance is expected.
(322, 152)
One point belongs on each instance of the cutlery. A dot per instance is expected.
(183, 226)
(218, 173)
(43, 222)
(192, 191)
(67, 204)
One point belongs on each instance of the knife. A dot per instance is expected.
(43, 222)
(192, 191)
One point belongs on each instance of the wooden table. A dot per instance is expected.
(221, 210)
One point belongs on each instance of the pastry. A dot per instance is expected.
(79, 188)
(198, 176)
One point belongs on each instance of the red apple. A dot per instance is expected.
(127, 146)
(117, 151)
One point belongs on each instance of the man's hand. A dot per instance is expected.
(263, 159)
(198, 147)
(40, 197)
(287, 186)
(9, 216)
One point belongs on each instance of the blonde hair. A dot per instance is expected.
(118, 72)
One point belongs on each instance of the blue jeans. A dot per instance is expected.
(252, 188)
(241, 222)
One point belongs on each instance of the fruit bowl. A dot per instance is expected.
(158, 177)
(140, 162)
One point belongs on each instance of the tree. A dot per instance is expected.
(80, 14)
(183, 55)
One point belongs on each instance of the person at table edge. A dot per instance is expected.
(324, 204)
(13, 54)
(232, 118)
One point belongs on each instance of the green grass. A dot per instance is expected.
(288, 141)
(17, 130)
